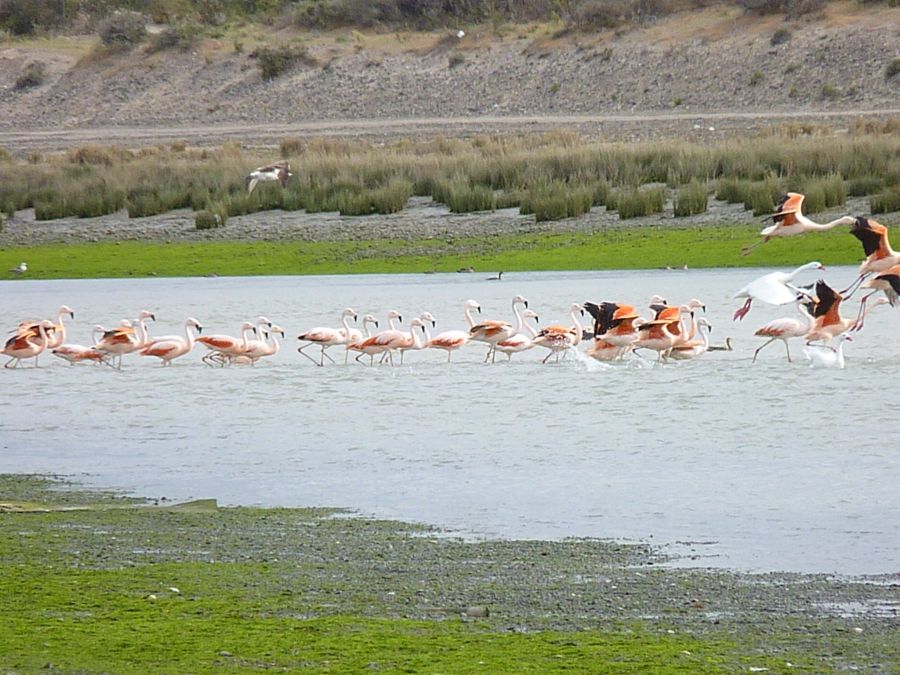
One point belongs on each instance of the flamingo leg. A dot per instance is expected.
(860, 317)
(747, 250)
(549, 354)
(326, 355)
(770, 341)
(852, 288)
(359, 356)
(300, 349)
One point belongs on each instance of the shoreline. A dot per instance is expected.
(314, 565)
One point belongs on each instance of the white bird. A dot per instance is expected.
(20, 269)
(824, 356)
(774, 288)
(279, 171)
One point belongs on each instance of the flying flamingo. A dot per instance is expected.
(880, 257)
(774, 288)
(451, 340)
(693, 348)
(786, 328)
(492, 331)
(224, 348)
(789, 220)
(827, 320)
(561, 338)
(615, 329)
(889, 282)
(172, 347)
(279, 171)
(824, 356)
(22, 346)
(326, 337)
(519, 342)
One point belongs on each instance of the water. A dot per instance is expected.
(753, 467)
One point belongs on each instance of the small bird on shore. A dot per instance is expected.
(20, 269)
(279, 171)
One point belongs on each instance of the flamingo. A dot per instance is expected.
(257, 349)
(327, 337)
(880, 257)
(774, 288)
(560, 338)
(76, 353)
(614, 327)
(786, 328)
(824, 356)
(827, 320)
(380, 343)
(889, 282)
(21, 346)
(413, 340)
(693, 348)
(279, 171)
(56, 334)
(119, 341)
(171, 347)
(789, 221)
(452, 340)
(224, 348)
(520, 342)
(492, 331)
(658, 335)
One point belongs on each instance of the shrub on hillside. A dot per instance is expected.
(640, 202)
(893, 68)
(885, 202)
(209, 220)
(691, 199)
(780, 36)
(122, 29)
(275, 61)
(599, 14)
(24, 17)
(32, 76)
(183, 37)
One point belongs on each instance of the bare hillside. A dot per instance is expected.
(713, 61)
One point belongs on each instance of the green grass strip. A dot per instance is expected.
(613, 248)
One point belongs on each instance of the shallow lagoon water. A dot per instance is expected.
(753, 467)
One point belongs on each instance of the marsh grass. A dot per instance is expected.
(691, 199)
(466, 174)
(887, 201)
(640, 202)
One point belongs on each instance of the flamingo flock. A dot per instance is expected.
(619, 330)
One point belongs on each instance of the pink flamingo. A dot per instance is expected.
(786, 328)
(693, 348)
(775, 288)
(326, 337)
(173, 346)
(523, 339)
(492, 331)
(451, 340)
(380, 343)
(257, 349)
(22, 346)
(789, 221)
(224, 348)
(560, 338)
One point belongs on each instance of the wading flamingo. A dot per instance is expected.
(380, 343)
(279, 171)
(789, 221)
(172, 347)
(326, 337)
(693, 348)
(614, 327)
(451, 340)
(560, 338)
(23, 346)
(77, 353)
(56, 334)
(258, 349)
(787, 328)
(523, 339)
(658, 335)
(774, 288)
(224, 348)
(492, 332)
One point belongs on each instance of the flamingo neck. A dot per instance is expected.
(367, 327)
(415, 337)
(469, 318)
(579, 329)
(391, 323)
(189, 336)
(520, 320)
(245, 344)
(274, 346)
(345, 321)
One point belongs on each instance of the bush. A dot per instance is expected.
(594, 15)
(291, 147)
(23, 17)
(463, 198)
(122, 29)
(32, 76)
(885, 202)
(641, 202)
(208, 220)
(761, 195)
(866, 185)
(183, 37)
(275, 61)
(892, 69)
(98, 155)
(691, 199)
(732, 191)
(780, 36)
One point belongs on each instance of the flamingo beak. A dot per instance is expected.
(282, 335)
(536, 319)
(72, 314)
(354, 317)
(821, 267)
(153, 316)
(433, 323)
(400, 319)
(376, 324)
(479, 309)
(199, 329)
(526, 304)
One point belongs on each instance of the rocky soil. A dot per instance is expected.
(716, 68)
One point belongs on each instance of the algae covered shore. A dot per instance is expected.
(94, 581)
